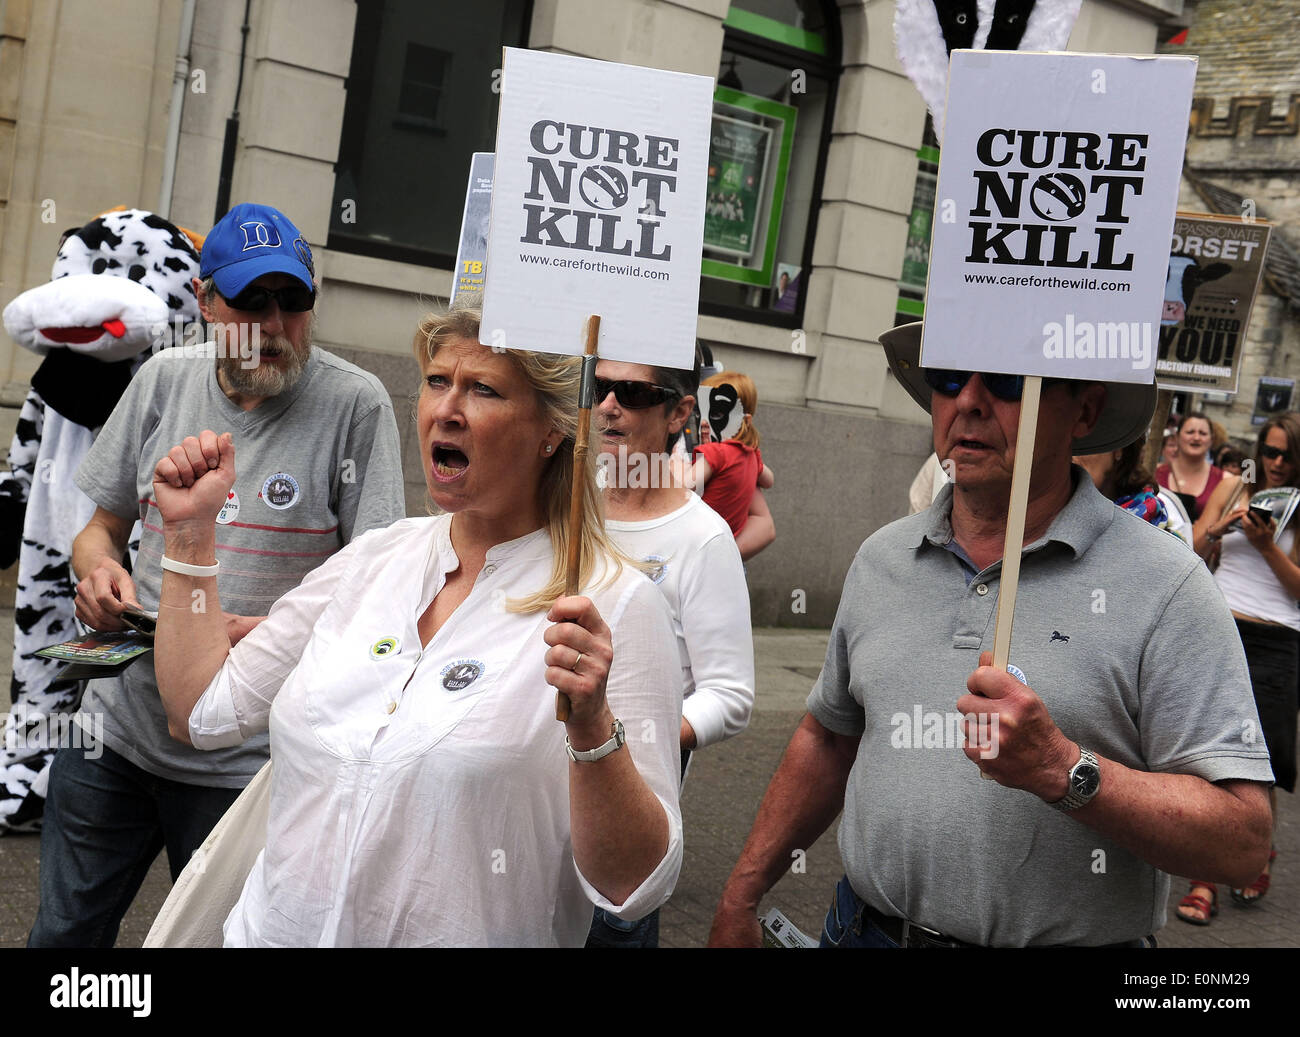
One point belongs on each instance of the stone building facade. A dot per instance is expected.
(129, 103)
(1243, 159)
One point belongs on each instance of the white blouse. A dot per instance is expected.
(421, 797)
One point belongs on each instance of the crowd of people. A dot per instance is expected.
(400, 673)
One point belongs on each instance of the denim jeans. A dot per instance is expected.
(608, 931)
(105, 821)
(846, 923)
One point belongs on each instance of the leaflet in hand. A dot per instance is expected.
(98, 654)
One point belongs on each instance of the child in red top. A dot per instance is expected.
(727, 473)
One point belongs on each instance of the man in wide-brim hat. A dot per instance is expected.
(1118, 757)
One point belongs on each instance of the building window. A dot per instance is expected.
(771, 121)
(424, 77)
(422, 98)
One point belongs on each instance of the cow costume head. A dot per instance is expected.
(120, 288)
(120, 285)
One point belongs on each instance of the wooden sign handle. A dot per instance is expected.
(586, 398)
(1015, 535)
(1156, 432)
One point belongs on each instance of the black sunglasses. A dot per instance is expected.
(1272, 453)
(293, 298)
(1009, 387)
(635, 395)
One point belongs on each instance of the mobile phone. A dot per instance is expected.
(141, 621)
(1265, 515)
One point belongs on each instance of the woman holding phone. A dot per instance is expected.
(1259, 574)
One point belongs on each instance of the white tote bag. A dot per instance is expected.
(212, 880)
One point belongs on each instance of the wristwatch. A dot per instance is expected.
(616, 740)
(1085, 782)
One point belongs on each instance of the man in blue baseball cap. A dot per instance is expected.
(319, 464)
(252, 256)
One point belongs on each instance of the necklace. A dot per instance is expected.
(1178, 483)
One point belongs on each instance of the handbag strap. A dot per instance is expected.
(1236, 492)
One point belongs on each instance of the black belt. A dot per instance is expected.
(909, 934)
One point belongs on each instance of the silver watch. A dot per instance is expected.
(616, 740)
(1085, 782)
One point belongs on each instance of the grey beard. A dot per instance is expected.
(264, 379)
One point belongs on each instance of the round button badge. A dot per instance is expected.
(458, 675)
(385, 646)
(230, 510)
(280, 491)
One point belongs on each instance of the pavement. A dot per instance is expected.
(721, 797)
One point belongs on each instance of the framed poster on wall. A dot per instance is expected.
(749, 161)
(737, 172)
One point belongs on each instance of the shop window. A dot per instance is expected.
(771, 127)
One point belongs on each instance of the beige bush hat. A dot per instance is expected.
(1125, 417)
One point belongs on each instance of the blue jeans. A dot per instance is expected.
(105, 821)
(846, 923)
(608, 931)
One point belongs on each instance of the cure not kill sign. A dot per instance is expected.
(1058, 183)
(597, 207)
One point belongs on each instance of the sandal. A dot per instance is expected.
(1255, 892)
(1195, 901)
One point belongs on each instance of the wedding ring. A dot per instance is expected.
(574, 667)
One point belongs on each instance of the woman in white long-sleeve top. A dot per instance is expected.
(422, 791)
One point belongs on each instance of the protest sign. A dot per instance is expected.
(1058, 181)
(597, 207)
(1215, 264)
(471, 254)
(1272, 397)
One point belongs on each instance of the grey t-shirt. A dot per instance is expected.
(315, 467)
(1113, 619)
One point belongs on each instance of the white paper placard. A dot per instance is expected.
(1058, 182)
(597, 207)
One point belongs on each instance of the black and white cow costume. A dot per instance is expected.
(119, 289)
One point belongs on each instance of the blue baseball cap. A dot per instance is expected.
(252, 240)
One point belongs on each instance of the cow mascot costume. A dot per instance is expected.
(119, 290)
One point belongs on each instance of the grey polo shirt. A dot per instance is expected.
(1113, 620)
